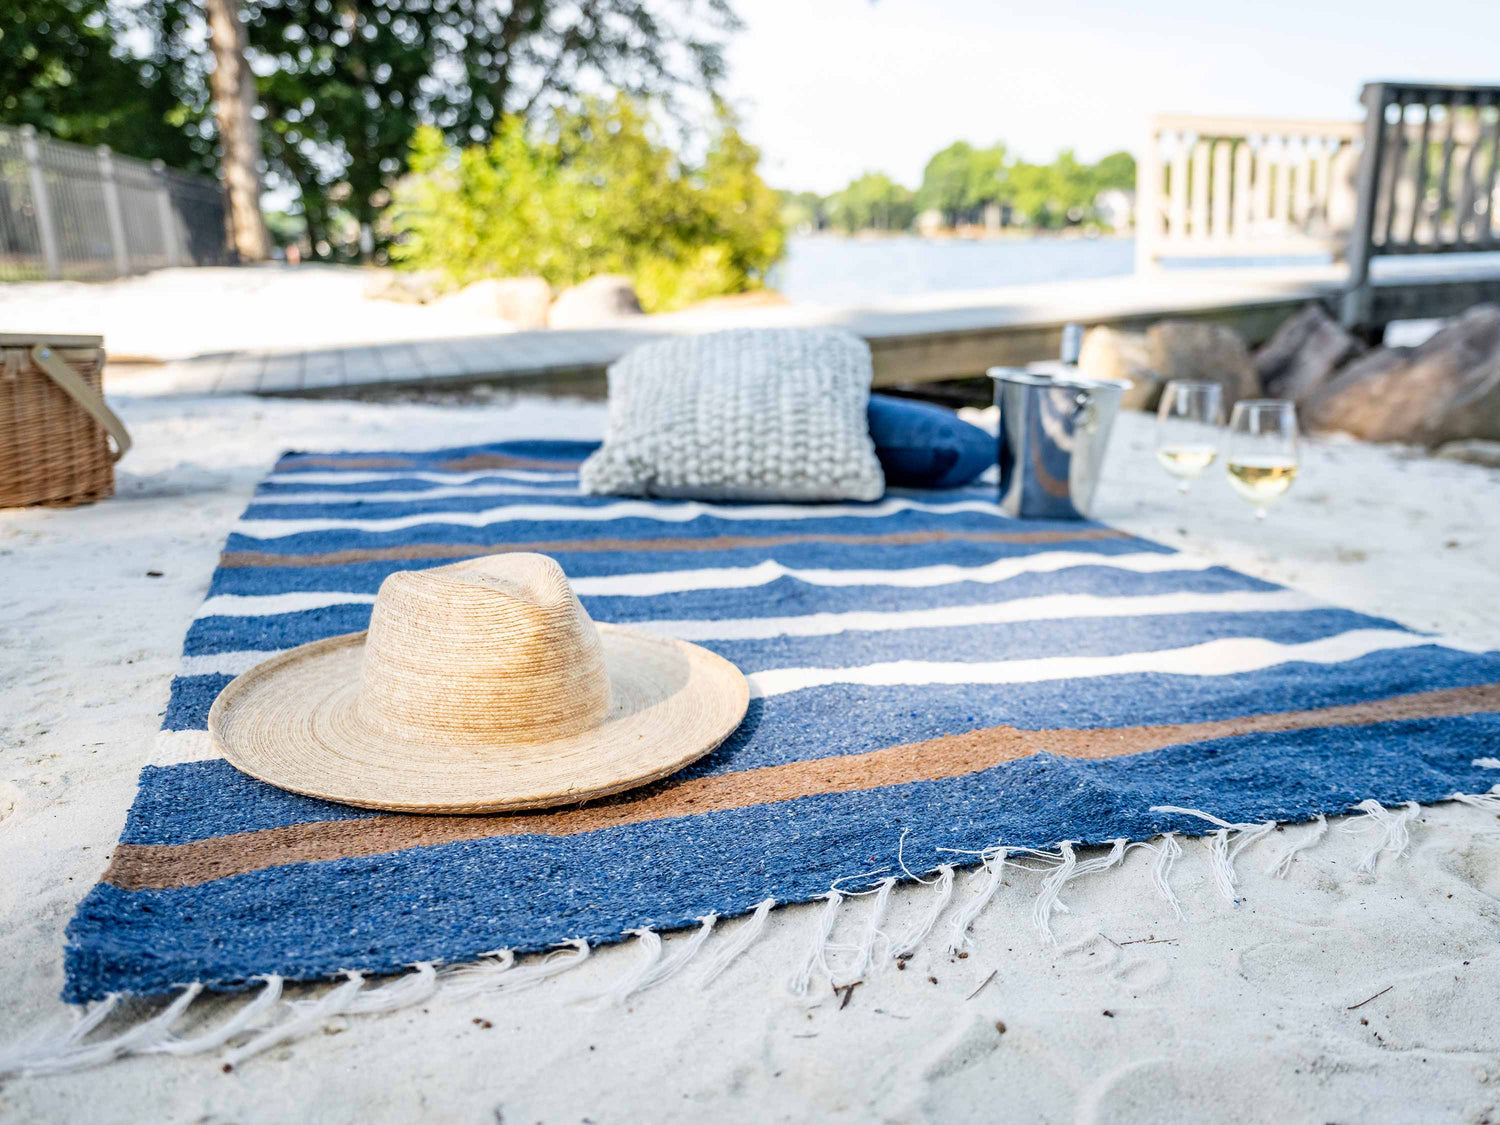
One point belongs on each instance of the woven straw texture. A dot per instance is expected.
(51, 451)
(928, 678)
(748, 414)
(480, 687)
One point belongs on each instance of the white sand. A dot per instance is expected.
(1236, 1014)
(177, 313)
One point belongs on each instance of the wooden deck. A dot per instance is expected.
(938, 337)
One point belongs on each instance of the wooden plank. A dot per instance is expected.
(1439, 213)
(1200, 190)
(1220, 190)
(1241, 208)
(1177, 186)
(1262, 205)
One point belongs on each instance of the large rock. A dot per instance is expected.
(1170, 349)
(1305, 353)
(410, 287)
(598, 301)
(1108, 353)
(1447, 389)
(522, 301)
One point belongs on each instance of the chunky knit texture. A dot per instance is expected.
(749, 414)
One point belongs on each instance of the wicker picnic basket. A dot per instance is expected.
(55, 428)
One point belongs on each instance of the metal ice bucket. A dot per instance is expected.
(1053, 433)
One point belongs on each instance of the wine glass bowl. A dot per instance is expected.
(1189, 423)
(1262, 455)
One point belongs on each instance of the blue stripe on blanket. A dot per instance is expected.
(528, 892)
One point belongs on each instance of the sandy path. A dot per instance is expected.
(1237, 1013)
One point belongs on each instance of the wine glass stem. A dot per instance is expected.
(1260, 513)
(1183, 485)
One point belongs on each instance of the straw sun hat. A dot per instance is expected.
(480, 687)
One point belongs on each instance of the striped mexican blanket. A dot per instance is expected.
(920, 666)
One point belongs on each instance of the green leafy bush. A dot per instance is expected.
(598, 193)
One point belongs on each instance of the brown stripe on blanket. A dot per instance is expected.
(161, 866)
(716, 543)
(505, 461)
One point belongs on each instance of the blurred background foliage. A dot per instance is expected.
(960, 185)
(591, 191)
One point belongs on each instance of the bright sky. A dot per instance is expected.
(833, 88)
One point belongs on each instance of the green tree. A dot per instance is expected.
(801, 210)
(960, 181)
(345, 85)
(1115, 172)
(872, 202)
(107, 72)
(597, 191)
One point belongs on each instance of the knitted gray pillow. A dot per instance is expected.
(748, 414)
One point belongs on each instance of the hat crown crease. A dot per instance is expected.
(493, 649)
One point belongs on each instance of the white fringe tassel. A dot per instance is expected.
(1221, 855)
(500, 974)
(817, 957)
(249, 1017)
(915, 936)
(1167, 853)
(656, 967)
(994, 877)
(1395, 836)
(1490, 801)
(309, 1018)
(1047, 901)
(67, 1050)
(744, 937)
(1283, 865)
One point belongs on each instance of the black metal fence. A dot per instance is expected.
(1427, 177)
(90, 214)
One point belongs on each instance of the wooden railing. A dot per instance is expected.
(1427, 179)
(1245, 187)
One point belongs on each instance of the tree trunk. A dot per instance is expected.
(233, 87)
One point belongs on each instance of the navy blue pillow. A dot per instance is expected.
(926, 446)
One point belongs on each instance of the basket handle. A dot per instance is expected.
(83, 394)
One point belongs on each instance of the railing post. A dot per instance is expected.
(1357, 303)
(1147, 202)
(112, 211)
(167, 215)
(41, 203)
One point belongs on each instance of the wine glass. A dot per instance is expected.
(1262, 454)
(1188, 429)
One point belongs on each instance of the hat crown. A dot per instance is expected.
(492, 649)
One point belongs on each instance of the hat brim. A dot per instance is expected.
(293, 721)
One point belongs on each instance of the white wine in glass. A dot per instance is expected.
(1262, 453)
(1189, 423)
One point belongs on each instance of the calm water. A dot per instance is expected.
(842, 271)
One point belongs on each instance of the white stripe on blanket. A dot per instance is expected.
(1054, 606)
(407, 497)
(1214, 658)
(647, 585)
(662, 512)
(437, 476)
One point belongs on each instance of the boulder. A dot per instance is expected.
(1447, 389)
(1170, 349)
(1305, 353)
(410, 287)
(597, 301)
(522, 301)
(1108, 353)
